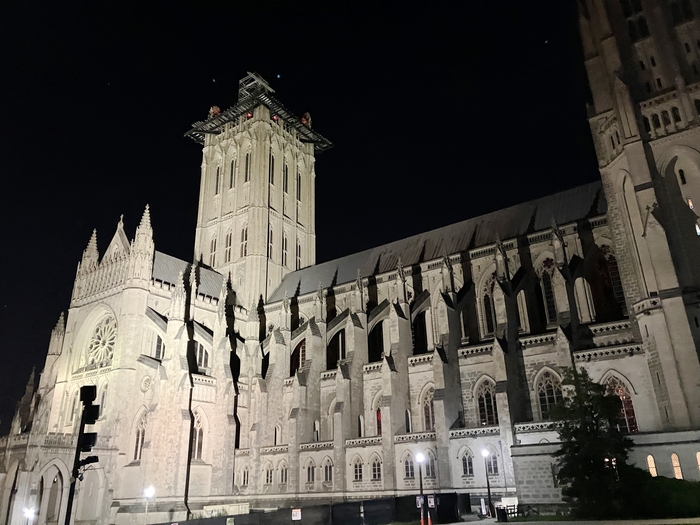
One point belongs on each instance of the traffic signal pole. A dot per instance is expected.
(88, 416)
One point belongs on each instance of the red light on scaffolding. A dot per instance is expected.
(274, 117)
(250, 115)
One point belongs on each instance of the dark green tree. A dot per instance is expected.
(593, 456)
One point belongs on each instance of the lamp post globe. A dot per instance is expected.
(486, 454)
(148, 493)
(28, 514)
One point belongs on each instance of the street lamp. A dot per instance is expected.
(420, 458)
(148, 493)
(29, 514)
(486, 453)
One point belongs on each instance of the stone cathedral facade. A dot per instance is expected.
(255, 378)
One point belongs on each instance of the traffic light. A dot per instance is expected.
(87, 440)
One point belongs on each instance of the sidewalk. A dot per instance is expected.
(674, 521)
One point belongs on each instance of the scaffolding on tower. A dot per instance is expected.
(253, 91)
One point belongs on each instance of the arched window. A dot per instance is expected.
(283, 473)
(379, 421)
(407, 421)
(271, 169)
(376, 469)
(232, 175)
(357, 469)
(375, 343)
(360, 426)
(298, 186)
(419, 332)
(317, 430)
(310, 472)
(298, 255)
(676, 463)
(244, 241)
(651, 465)
(550, 304)
(218, 180)
(428, 410)
(616, 281)
(486, 404)
(197, 437)
(628, 421)
(74, 408)
(247, 167)
(409, 468)
(467, 465)
(228, 240)
(298, 358)
(202, 355)
(103, 399)
(675, 112)
(285, 179)
(284, 250)
(655, 121)
(429, 465)
(328, 471)
(336, 350)
(549, 393)
(212, 252)
(489, 311)
(492, 464)
(665, 118)
(278, 434)
(647, 125)
(268, 474)
(270, 243)
(140, 435)
(159, 350)
(246, 476)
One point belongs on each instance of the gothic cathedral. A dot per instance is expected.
(254, 378)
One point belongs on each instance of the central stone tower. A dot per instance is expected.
(256, 219)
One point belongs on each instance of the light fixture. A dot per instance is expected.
(28, 513)
(149, 492)
(485, 452)
(420, 458)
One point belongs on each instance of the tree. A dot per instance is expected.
(593, 455)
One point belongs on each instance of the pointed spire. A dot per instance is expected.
(120, 224)
(146, 218)
(60, 324)
(179, 297)
(90, 254)
(400, 272)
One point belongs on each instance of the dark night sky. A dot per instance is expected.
(438, 112)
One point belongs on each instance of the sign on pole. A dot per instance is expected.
(296, 514)
(431, 501)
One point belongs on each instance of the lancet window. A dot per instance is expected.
(409, 468)
(139, 438)
(627, 423)
(549, 393)
(197, 437)
(550, 304)
(428, 410)
(228, 241)
(244, 241)
(489, 311)
(486, 404)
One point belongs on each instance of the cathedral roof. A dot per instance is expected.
(522, 219)
(166, 268)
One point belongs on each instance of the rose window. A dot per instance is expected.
(101, 347)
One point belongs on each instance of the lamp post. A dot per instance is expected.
(148, 493)
(420, 458)
(486, 453)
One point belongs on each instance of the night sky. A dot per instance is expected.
(438, 112)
